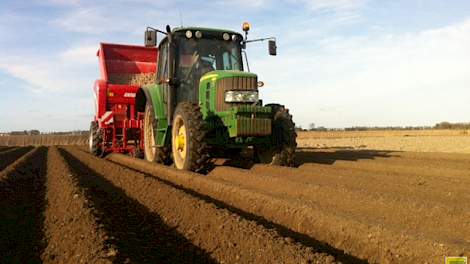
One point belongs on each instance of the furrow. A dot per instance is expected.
(446, 171)
(9, 156)
(16, 164)
(194, 226)
(73, 235)
(22, 204)
(362, 240)
(398, 215)
(407, 188)
(3, 149)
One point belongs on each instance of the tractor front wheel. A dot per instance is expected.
(152, 152)
(282, 151)
(188, 134)
(95, 140)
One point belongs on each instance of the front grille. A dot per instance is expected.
(253, 127)
(233, 84)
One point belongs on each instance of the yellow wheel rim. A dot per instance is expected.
(179, 142)
(149, 139)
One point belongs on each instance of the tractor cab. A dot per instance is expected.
(195, 52)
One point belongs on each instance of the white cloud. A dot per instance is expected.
(71, 71)
(86, 20)
(317, 5)
(244, 3)
(399, 79)
(80, 54)
(60, 2)
(118, 19)
(321, 15)
(335, 5)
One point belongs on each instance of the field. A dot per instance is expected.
(43, 140)
(341, 204)
(449, 141)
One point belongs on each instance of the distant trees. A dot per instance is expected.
(364, 128)
(34, 132)
(441, 125)
(72, 133)
(448, 125)
(25, 132)
(320, 128)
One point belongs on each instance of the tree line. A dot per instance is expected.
(441, 125)
(35, 132)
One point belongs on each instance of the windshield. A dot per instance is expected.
(196, 57)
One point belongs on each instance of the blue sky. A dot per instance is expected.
(340, 63)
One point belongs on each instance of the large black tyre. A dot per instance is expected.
(95, 140)
(282, 151)
(153, 153)
(187, 138)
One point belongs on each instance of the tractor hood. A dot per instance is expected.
(227, 74)
(242, 118)
(223, 82)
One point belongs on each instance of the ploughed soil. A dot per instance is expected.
(63, 205)
(22, 202)
(9, 155)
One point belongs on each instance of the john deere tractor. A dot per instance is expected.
(204, 103)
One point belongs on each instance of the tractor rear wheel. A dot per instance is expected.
(188, 134)
(152, 152)
(282, 151)
(95, 140)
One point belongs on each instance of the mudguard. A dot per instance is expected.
(155, 94)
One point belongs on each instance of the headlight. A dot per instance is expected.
(241, 96)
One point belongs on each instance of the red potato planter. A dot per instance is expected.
(117, 125)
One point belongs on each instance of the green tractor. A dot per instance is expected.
(205, 104)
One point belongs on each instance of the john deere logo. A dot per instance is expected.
(456, 260)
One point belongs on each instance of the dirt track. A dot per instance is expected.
(346, 206)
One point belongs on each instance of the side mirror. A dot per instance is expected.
(272, 47)
(168, 34)
(150, 38)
